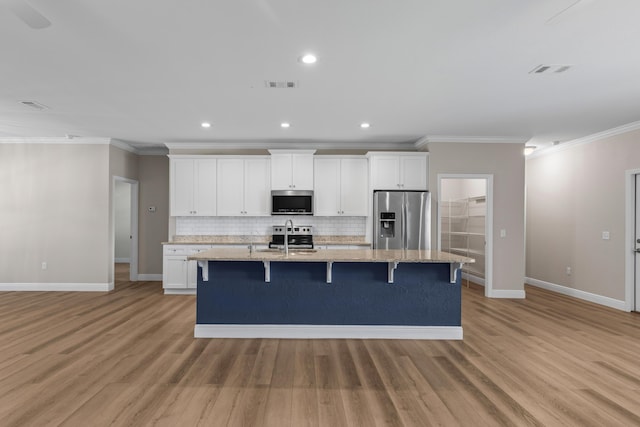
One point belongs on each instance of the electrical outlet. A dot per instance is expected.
(606, 235)
(44, 265)
(568, 271)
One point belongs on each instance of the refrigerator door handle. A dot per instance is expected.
(404, 214)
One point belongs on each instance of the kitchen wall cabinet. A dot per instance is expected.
(340, 186)
(399, 171)
(243, 186)
(193, 187)
(292, 170)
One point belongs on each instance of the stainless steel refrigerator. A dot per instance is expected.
(402, 220)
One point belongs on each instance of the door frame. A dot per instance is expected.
(629, 244)
(133, 258)
(488, 226)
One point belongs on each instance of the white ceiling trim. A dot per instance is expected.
(630, 127)
(55, 140)
(475, 139)
(316, 145)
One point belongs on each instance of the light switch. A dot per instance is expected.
(606, 235)
(503, 232)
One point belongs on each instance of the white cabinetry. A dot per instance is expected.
(399, 171)
(340, 186)
(291, 170)
(180, 276)
(243, 186)
(193, 187)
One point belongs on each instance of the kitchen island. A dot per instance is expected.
(344, 293)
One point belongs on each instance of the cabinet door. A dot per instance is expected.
(385, 172)
(354, 188)
(326, 191)
(257, 187)
(302, 171)
(204, 203)
(174, 272)
(192, 274)
(281, 171)
(413, 171)
(230, 187)
(182, 181)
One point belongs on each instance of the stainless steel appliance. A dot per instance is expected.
(298, 236)
(402, 220)
(291, 202)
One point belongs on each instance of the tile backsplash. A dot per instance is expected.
(216, 225)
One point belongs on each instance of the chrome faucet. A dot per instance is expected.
(286, 235)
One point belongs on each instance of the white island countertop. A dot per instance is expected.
(330, 255)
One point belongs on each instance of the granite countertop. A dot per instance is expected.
(262, 239)
(331, 255)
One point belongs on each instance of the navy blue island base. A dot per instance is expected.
(297, 302)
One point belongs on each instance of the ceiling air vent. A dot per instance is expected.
(550, 69)
(35, 105)
(281, 84)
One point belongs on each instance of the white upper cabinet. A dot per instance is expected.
(244, 186)
(292, 170)
(341, 186)
(193, 187)
(399, 171)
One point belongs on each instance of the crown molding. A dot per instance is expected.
(473, 139)
(291, 145)
(619, 130)
(56, 140)
(140, 151)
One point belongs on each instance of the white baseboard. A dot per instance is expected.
(577, 293)
(122, 260)
(150, 277)
(329, 332)
(180, 291)
(507, 293)
(57, 287)
(475, 279)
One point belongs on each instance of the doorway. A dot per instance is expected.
(632, 243)
(464, 221)
(125, 225)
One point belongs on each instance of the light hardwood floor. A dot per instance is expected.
(129, 358)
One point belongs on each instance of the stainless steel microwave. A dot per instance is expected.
(291, 202)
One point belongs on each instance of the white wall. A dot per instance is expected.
(54, 208)
(573, 195)
(122, 201)
(506, 163)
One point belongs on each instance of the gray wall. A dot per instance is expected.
(54, 208)
(573, 195)
(153, 173)
(506, 163)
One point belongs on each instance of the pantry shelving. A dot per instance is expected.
(463, 233)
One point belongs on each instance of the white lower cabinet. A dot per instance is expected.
(180, 276)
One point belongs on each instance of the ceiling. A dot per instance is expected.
(148, 72)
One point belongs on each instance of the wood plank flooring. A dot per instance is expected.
(129, 358)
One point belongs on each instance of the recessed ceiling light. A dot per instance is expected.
(205, 125)
(285, 125)
(365, 125)
(308, 58)
(529, 149)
